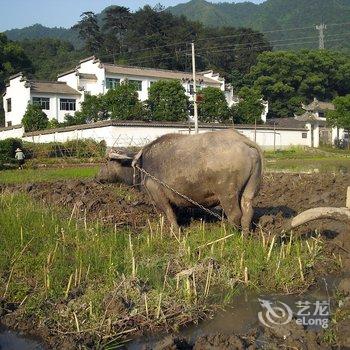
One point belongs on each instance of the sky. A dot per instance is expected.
(65, 13)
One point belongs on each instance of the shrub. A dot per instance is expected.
(213, 106)
(7, 150)
(34, 118)
(167, 101)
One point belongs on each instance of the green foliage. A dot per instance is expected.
(7, 150)
(167, 101)
(89, 32)
(38, 31)
(340, 117)
(273, 16)
(286, 79)
(123, 103)
(249, 108)
(93, 108)
(34, 118)
(213, 106)
(51, 56)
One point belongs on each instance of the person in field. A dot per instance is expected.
(20, 158)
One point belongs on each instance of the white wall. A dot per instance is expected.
(20, 96)
(124, 136)
(54, 112)
(12, 132)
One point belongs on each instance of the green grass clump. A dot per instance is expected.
(82, 277)
(41, 175)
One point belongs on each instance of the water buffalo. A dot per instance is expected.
(219, 167)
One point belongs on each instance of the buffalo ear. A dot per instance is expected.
(121, 158)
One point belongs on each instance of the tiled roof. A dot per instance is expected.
(317, 105)
(155, 73)
(52, 88)
(288, 122)
(309, 117)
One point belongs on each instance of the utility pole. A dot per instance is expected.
(195, 107)
(321, 28)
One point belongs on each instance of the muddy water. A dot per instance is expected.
(310, 165)
(242, 315)
(13, 341)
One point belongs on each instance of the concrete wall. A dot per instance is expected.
(139, 135)
(16, 132)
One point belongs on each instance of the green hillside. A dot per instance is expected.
(38, 31)
(284, 17)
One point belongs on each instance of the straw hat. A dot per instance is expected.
(18, 150)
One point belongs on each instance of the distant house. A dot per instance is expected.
(91, 76)
(314, 119)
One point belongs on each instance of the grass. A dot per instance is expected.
(41, 175)
(298, 152)
(82, 277)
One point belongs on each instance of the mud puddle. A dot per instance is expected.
(246, 313)
(10, 340)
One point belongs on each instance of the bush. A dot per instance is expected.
(123, 102)
(34, 118)
(7, 150)
(167, 101)
(213, 106)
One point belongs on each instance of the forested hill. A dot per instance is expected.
(278, 15)
(38, 31)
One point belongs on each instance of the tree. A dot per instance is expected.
(249, 108)
(92, 109)
(51, 56)
(34, 118)
(167, 101)
(123, 103)
(213, 105)
(89, 31)
(288, 78)
(116, 22)
(340, 117)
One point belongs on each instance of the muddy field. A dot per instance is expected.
(282, 196)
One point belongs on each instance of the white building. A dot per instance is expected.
(93, 77)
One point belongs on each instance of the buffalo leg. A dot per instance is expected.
(232, 209)
(157, 194)
(247, 211)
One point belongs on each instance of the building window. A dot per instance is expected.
(43, 102)
(9, 123)
(67, 104)
(137, 84)
(190, 90)
(8, 105)
(304, 135)
(112, 83)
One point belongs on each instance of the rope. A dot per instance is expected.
(178, 193)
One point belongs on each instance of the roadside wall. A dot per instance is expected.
(127, 134)
(15, 131)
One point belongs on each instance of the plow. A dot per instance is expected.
(339, 214)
